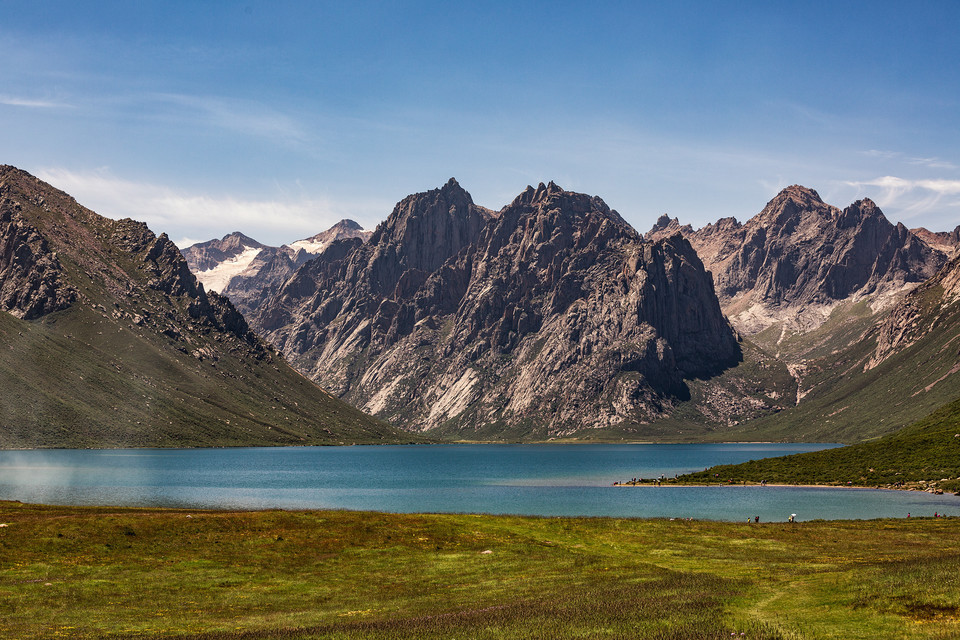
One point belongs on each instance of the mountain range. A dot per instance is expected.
(249, 272)
(554, 318)
(795, 261)
(551, 318)
(547, 317)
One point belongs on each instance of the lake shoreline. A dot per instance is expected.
(653, 484)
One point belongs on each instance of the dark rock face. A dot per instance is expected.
(31, 277)
(547, 317)
(799, 256)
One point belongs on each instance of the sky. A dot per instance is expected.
(279, 119)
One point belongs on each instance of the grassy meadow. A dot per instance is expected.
(93, 572)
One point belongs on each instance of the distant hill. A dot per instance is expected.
(107, 340)
(867, 374)
(948, 242)
(812, 286)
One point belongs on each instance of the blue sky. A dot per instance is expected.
(280, 118)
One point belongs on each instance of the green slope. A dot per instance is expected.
(74, 380)
(925, 454)
(142, 356)
(845, 400)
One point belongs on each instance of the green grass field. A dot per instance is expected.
(109, 572)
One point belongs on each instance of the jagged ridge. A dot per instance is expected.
(796, 259)
(550, 316)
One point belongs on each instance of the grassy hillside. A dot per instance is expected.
(842, 399)
(75, 380)
(133, 573)
(140, 356)
(925, 454)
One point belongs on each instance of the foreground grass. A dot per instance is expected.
(95, 572)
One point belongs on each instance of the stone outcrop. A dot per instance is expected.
(550, 316)
(799, 257)
(31, 276)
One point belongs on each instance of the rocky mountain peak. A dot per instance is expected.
(340, 231)
(792, 205)
(946, 242)
(665, 226)
(542, 193)
(425, 229)
(205, 256)
(859, 212)
(556, 316)
(799, 257)
(663, 222)
(347, 225)
(237, 239)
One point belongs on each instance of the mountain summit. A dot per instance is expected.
(799, 257)
(248, 272)
(546, 318)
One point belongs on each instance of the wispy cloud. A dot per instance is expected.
(911, 197)
(188, 216)
(31, 103)
(931, 162)
(242, 116)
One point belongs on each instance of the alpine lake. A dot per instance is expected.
(536, 479)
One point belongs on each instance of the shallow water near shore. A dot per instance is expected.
(542, 480)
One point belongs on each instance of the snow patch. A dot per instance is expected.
(217, 278)
(310, 246)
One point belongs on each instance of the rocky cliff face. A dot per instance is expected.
(935, 304)
(550, 316)
(31, 276)
(947, 242)
(799, 257)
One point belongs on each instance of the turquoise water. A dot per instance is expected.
(545, 480)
